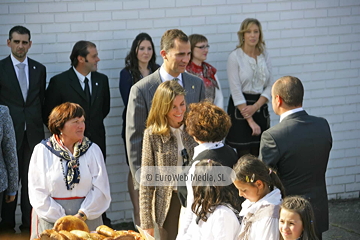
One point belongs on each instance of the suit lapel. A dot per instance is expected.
(75, 84)
(12, 78)
(94, 87)
(33, 77)
(155, 83)
(189, 89)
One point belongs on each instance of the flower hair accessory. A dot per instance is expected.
(251, 179)
(270, 171)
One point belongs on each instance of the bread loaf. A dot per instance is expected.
(96, 236)
(106, 231)
(81, 234)
(69, 223)
(51, 234)
(68, 235)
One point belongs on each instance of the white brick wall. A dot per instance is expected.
(316, 40)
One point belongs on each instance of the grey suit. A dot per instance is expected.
(298, 147)
(141, 95)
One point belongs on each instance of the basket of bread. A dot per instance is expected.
(73, 228)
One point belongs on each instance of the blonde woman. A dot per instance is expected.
(250, 81)
(164, 140)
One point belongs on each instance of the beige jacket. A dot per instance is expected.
(159, 150)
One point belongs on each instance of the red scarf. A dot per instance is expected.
(206, 72)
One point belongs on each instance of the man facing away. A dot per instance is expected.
(299, 147)
(22, 88)
(175, 51)
(82, 84)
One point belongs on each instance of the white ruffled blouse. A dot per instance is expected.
(247, 75)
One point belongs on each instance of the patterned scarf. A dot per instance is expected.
(72, 174)
(206, 72)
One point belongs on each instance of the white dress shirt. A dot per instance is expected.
(165, 76)
(82, 79)
(16, 62)
(285, 114)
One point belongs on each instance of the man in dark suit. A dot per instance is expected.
(82, 84)
(175, 51)
(298, 147)
(22, 87)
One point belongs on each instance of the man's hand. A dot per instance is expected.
(9, 198)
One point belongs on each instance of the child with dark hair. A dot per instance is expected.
(263, 191)
(296, 219)
(216, 217)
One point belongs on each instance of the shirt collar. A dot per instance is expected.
(205, 146)
(287, 113)
(16, 62)
(179, 128)
(82, 77)
(165, 76)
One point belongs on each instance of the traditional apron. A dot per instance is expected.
(71, 206)
(239, 135)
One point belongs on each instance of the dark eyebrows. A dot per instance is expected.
(18, 41)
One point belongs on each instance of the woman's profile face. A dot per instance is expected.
(144, 52)
(177, 111)
(200, 52)
(73, 130)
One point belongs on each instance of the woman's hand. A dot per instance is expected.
(150, 231)
(255, 128)
(78, 216)
(248, 111)
(81, 215)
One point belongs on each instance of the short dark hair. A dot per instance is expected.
(63, 113)
(20, 30)
(168, 38)
(290, 89)
(207, 122)
(80, 49)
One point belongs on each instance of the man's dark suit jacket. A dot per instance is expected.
(20, 111)
(140, 98)
(298, 147)
(65, 87)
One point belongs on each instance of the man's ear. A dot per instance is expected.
(163, 54)
(80, 59)
(8, 42)
(278, 100)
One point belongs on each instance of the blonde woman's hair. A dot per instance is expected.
(161, 105)
(245, 25)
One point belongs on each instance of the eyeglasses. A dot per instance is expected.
(203, 47)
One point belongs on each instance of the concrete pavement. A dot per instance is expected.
(344, 220)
